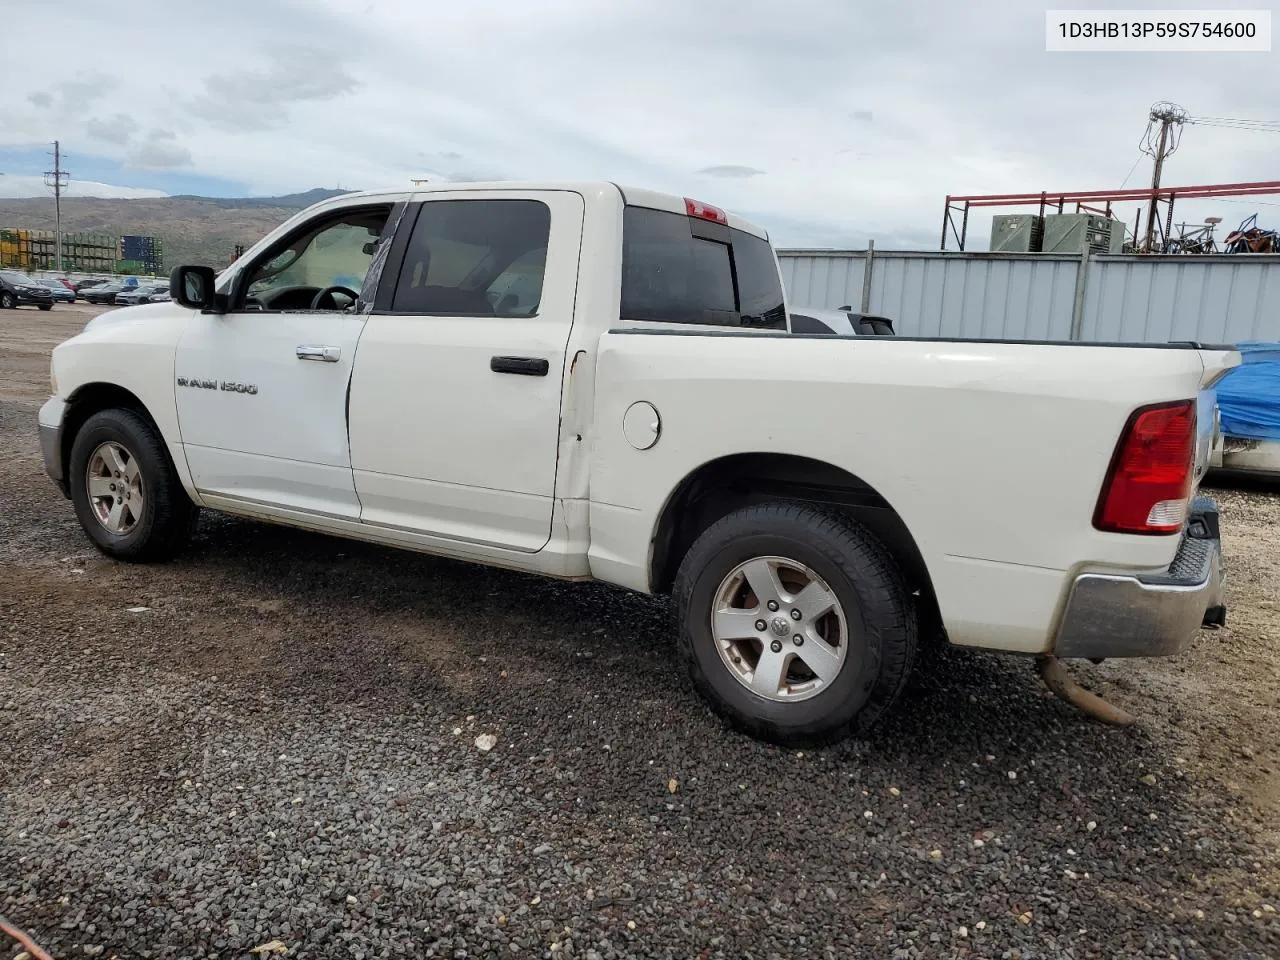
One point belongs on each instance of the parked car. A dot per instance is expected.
(61, 292)
(17, 289)
(637, 411)
(142, 293)
(843, 321)
(104, 292)
(82, 285)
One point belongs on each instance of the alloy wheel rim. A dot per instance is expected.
(779, 629)
(113, 480)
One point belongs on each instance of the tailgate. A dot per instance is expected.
(1217, 362)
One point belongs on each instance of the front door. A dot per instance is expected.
(455, 398)
(262, 389)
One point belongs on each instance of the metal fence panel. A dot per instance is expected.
(943, 295)
(1214, 299)
(984, 299)
(822, 281)
(1210, 299)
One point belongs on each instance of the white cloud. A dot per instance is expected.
(14, 186)
(826, 118)
(158, 150)
(734, 171)
(259, 98)
(117, 129)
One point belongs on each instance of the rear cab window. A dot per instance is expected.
(682, 268)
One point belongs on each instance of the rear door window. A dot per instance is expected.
(681, 269)
(479, 258)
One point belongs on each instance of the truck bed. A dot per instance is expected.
(993, 453)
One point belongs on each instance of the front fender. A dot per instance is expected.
(127, 361)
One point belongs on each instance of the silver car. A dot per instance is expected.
(142, 293)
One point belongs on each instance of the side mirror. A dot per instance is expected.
(192, 287)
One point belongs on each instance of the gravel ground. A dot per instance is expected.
(271, 742)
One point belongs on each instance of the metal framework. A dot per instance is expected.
(38, 250)
(1086, 200)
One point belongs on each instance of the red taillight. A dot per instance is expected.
(1148, 487)
(704, 211)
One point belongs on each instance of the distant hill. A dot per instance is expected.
(290, 201)
(194, 229)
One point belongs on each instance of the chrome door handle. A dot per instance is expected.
(315, 352)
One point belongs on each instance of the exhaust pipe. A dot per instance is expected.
(1056, 678)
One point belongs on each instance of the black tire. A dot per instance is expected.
(863, 575)
(7, 302)
(168, 516)
(45, 306)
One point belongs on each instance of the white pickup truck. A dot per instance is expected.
(594, 382)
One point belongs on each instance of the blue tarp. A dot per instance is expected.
(1249, 396)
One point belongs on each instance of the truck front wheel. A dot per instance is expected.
(795, 623)
(127, 495)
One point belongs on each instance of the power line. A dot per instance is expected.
(1131, 169)
(1238, 126)
(1251, 203)
(1228, 120)
(1236, 123)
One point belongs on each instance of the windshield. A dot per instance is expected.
(12, 276)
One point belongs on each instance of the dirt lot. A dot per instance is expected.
(272, 739)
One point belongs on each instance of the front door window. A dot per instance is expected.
(321, 268)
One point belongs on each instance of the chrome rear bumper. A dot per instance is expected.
(1149, 614)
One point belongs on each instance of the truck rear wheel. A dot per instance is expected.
(127, 495)
(795, 623)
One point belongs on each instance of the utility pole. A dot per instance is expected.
(1155, 179)
(57, 179)
(1170, 116)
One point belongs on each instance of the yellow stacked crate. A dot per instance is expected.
(15, 249)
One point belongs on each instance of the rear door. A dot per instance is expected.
(455, 397)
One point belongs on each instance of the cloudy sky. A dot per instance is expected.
(829, 121)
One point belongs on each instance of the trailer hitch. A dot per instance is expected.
(1056, 678)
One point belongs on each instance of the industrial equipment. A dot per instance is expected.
(1017, 233)
(1078, 232)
